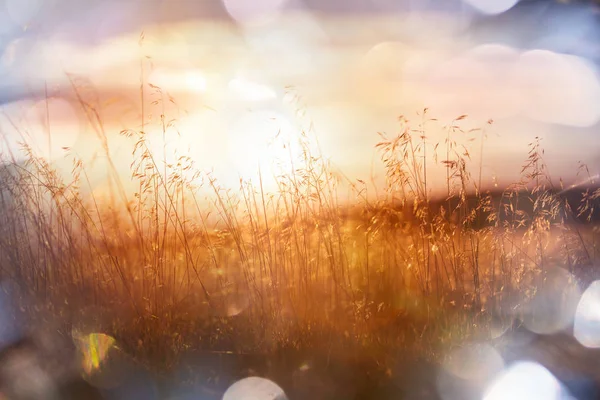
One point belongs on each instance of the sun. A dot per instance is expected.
(263, 144)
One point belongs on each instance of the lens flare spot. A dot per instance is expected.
(526, 381)
(254, 388)
(94, 349)
(304, 367)
(586, 328)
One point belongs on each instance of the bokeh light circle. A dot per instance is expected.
(558, 88)
(254, 388)
(586, 328)
(492, 6)
(467, 371)
(500, 324)
(244, 12)
(485, 72)
(474, 362)
(552, 309)
(526, 380)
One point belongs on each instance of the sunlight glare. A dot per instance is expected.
(492, 6)
(191, 80)
(264, 141)
(254, 388)
(526, 380)
(195, 81)
(586, 328)
(251, 91)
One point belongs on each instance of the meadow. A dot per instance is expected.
(171, 265)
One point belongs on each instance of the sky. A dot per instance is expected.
(530, 66)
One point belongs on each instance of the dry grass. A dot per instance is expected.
(167, 271)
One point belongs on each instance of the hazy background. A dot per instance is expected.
(531, 66)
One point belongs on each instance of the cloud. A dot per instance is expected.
(496, 81)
